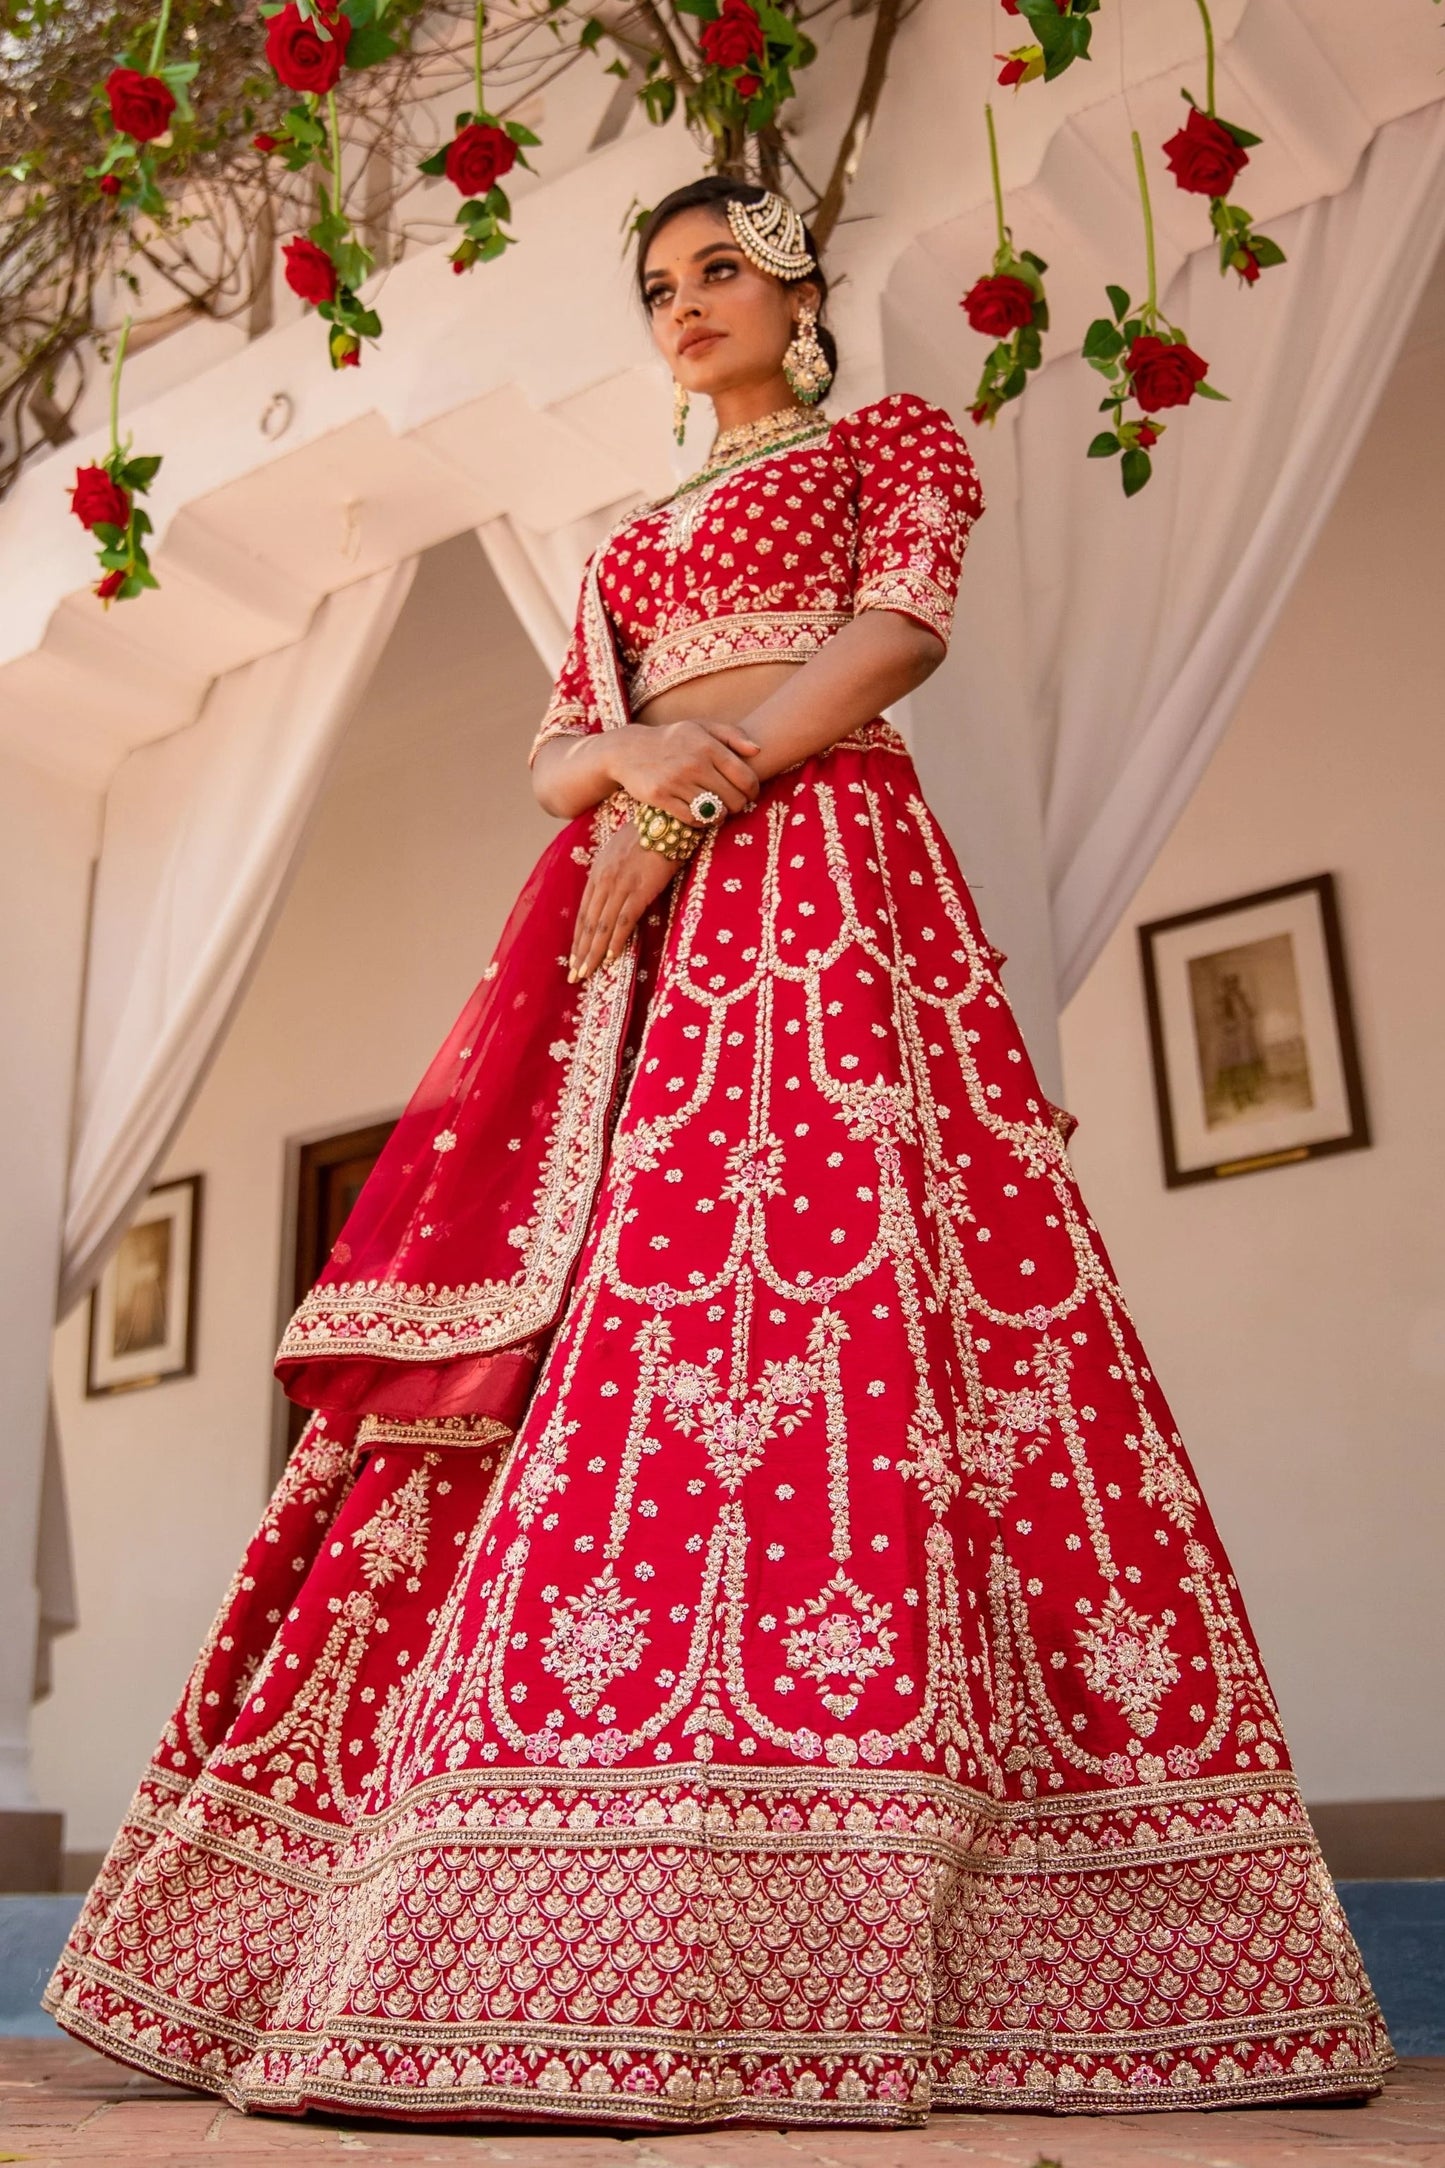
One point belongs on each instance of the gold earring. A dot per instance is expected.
(679, 410)
(805, 365)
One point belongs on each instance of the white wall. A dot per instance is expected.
(1297, 1317)
(422, 840)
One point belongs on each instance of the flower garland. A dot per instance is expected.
(1007, 305)
(103, 500)
(146, 100)
(1146, 360)
(1062, 32)
(308, 43)
(1206, 157)
(483, 150)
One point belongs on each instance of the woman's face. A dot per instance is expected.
(719, 322)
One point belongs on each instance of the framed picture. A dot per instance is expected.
(143, 1312)
(1251, 1032)
(327, 1175)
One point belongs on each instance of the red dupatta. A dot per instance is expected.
(436, 1305)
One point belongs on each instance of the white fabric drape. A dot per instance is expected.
(1143, 620)
(202, 830)
(540, 574)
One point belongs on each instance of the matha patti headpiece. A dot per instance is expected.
(770, 234)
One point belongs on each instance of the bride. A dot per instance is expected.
(740, 1639)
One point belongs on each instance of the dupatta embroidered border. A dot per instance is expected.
(403, 1321)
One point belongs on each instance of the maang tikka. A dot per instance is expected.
(771, 234)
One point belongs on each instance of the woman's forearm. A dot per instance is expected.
(572, 773)
(862, 669)
(866, 666)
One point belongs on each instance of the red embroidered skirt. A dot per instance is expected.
(833, 1702)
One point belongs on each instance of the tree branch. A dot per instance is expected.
(850, 150)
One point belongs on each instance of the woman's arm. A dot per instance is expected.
(868, 664)
(663, 764)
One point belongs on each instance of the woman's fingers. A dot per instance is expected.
(734, 774)
(734, 735)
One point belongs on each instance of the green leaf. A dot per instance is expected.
(436, 165)
(1118, 302)
(707, 9)
(522, 135)
(1266, 252)
(590, 36)
(140, 473)
(1027, 256)
(1136, 470)
(497, 202)
(1207, 391)
(1105, 445)
(1101, 341)
(370, 44)
(1014, 383)
(1242, 136)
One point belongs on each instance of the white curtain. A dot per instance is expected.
(202, 830)
(1142, 621)
(540, 574)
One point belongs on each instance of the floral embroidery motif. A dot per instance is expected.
(394, 1540)
(848, 1641)
(596, 1636)
(1127, 1660)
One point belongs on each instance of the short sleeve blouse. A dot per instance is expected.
(768, 560)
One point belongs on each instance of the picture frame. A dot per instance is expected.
(1252, 1033)
(325, 1176)
(143, 1308)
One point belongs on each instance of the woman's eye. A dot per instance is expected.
(725, 269)
(657, 294)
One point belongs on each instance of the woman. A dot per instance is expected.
(740, 1639)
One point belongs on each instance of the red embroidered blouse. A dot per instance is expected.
(768, 559)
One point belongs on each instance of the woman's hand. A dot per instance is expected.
(623, 881)
(668, 764)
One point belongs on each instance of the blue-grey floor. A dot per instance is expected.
(1400, 1927)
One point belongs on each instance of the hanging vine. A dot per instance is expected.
(1007, 305)
(1148, 362)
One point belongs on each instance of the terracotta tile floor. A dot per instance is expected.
(60, 2103)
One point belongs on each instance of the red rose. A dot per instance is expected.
(300, 56)
(1145, 435)
(478, 157)
(1246, 263)
(309, 271)
(108, 588)
(1163, 374)
(264, 143)
(998, 305)
(748, 86)
(1204, 157)
(345, 350)
(97, 500)
(735, 38)
(140, 105)
(109, 184)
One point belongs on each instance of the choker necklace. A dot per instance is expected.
(734, 448)
(760, 435)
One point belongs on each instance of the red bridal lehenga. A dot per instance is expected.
(740, 1639)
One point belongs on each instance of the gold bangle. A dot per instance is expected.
(665, 834)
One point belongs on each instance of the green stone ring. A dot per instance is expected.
(705, 808)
